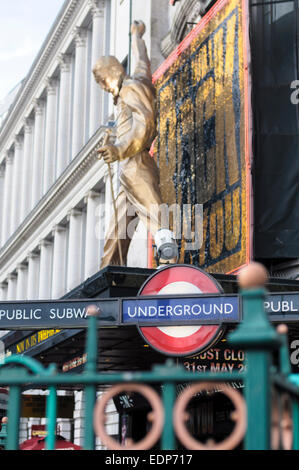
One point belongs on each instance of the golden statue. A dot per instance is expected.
(135, 131)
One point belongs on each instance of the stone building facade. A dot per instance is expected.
(55, 195)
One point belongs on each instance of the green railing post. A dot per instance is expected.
(294, 380)
(51, 413)
(284, 358)
(257, 336)
(90, 368)
(295, 405)
(51, 418)
(3, 434)
(168, 437)
(14, 409)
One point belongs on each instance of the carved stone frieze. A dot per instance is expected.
(187, 13)
(97, 7)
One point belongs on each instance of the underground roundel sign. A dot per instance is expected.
(180, 340)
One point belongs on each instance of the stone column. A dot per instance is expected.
(108, 201)
(92, 241)
(13, 192)
(2, 183)
(45, 271)
(50, 137)
(101, 217)
(22, 271)
(3, 291)
(79, 90)
(38, 153)
(33, 276)
(26, 170)
(12, 287)
(98, 50)
(64, 117)
(7, 197)
(79, 418)
(17, 181)
(74, 265)
(59, 262)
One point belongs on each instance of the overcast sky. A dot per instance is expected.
(24, 24)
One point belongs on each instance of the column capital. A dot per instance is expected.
(22, 266)
(91, 194)
(19, 141)
(28, 125)
(9, 157)
(58, 228)
(11, 277)
(80, 36)
(97, 8)
(39, 106)
(3, 285)
(45, 243)
(74, 213)
(65, 61)
(32, 255)
(51, 85)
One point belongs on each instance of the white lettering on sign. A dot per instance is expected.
(21, 314)
(36, 314)
(280, 306)
(295, 354)
(179, 310)
(67, 313)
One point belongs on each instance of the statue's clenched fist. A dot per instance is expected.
(109, 153)
(138, 27)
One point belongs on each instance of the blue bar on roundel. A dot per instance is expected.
(203, 310)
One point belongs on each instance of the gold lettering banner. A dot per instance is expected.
(202, 148)
(33, 340)
(34, 406)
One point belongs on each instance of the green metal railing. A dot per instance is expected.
(255, 335)
(3, 435)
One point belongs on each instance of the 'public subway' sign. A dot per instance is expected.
(55, 314)
(202, 147)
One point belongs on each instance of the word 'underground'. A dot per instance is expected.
(180, 310)
(176, 309)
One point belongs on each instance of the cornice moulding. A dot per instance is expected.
(187, 11)
(64, 24)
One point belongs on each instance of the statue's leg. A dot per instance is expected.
(148, 211)
(117, 230)
(140, 181)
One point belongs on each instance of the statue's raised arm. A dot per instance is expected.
(143, 66)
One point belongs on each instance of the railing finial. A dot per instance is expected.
(282, 329)
(93, 311)
(253, 276)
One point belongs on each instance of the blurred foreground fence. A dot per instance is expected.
(265, 417)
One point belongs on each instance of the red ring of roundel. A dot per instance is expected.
(196, 342)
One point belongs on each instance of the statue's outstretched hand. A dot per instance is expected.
(138, 27)
(109, 153)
